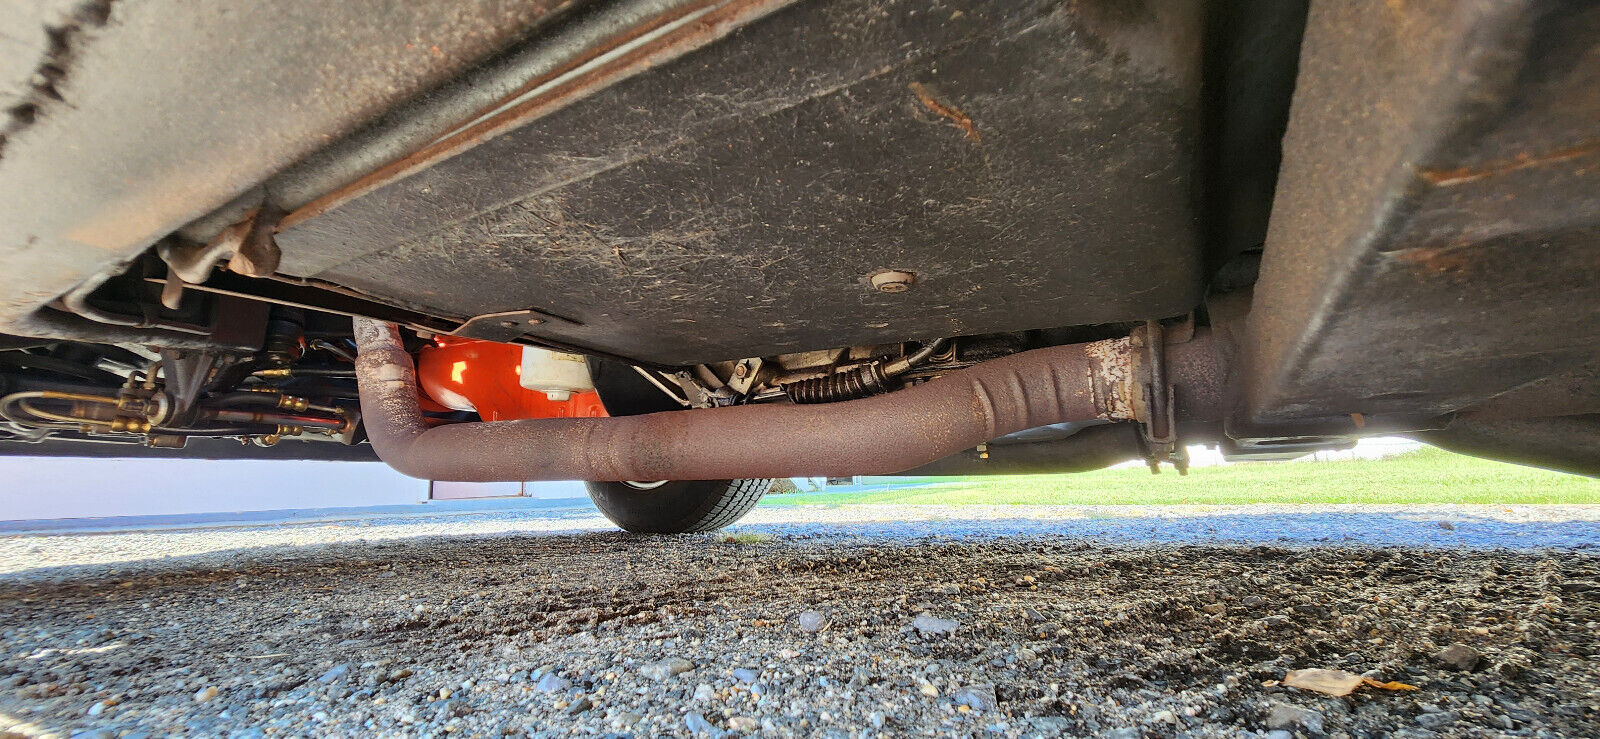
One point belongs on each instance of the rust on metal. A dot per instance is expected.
(932, 101)
(248, 246)
(893, 280)
(1463, 175)
(681, 30)
(1440, 259)
(876, 435)
(1112, 378)
(257, 254)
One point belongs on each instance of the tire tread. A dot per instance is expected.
(736, 501)
(680, 507)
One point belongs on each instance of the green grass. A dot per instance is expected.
(1424, 476)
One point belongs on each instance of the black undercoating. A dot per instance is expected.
(1435, 240)
(1034, 164)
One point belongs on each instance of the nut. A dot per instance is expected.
(893, 281)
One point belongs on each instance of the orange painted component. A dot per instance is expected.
(483, 376)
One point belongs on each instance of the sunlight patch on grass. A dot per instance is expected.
(1424, 476)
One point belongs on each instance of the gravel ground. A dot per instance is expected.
(872, 621)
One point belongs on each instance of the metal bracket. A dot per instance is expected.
(694, 391)
(248, 246)
(504, 327)
(745, 372)
(1159, 430)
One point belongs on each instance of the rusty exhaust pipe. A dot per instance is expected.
(883, 434)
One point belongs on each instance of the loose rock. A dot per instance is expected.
(1286, 716)
(811, 621)
(976, 697)
(552, 683)
(933, 626)
(1459, 656)
(698, 724)
(666, 668)
(1438, 720)
(579, 706)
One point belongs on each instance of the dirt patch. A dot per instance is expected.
(808, 635)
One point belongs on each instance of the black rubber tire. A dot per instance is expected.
(678, 507)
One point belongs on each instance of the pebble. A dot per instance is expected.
(743, 724)
(666, 668)
(552, 683)
(697, 724)
(1459, 656)
(931, 625)
(976, 697)
(579, 706)
(1287, 716)
(1050, 725)
(704, 692)
(337, 672)
(205, 694)
(1162, 717)
(877, 719)
(746, 675)
(811, 621)
(1438, 720)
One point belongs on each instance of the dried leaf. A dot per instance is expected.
(1391, 685)
(1337, 683)
(1327, 682)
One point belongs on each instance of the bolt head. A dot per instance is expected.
(893, 281)
(741, 370)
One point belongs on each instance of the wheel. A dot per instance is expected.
(676, 507)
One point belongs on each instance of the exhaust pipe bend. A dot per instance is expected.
(883, 434)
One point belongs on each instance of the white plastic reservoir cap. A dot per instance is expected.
(556, 374)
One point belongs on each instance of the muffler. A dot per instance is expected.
(882, 434)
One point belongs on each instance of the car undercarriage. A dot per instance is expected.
(722, 240)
